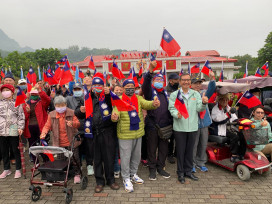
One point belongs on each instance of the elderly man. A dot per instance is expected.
(153, 87)
(185, 130)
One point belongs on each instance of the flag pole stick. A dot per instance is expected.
(201, 69)
(240, 98)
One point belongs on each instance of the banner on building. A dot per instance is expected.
(171, 64)
(125, 66)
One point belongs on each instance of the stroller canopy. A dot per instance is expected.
(35, 150)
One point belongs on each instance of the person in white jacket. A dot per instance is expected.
(221, 116)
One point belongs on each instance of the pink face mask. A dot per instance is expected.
(6, 94)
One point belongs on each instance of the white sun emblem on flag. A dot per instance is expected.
(248, 94)
(87, 123)
(180, 97)
(166, 36)
(155, 92)
(104, 106)
(97, 80)
(133, 114)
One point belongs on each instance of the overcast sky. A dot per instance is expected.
(231, 27)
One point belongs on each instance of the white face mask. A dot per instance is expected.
(6, 94)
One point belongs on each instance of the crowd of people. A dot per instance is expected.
(114, 142)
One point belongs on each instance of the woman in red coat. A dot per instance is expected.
(35, 115)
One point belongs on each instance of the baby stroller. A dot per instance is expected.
(55, 172)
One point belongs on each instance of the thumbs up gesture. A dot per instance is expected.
(156, 102)
(114, 116)
(152, 65)
(264, 123)
(205, 99)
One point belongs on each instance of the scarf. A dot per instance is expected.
(155, 92)
(133, 115)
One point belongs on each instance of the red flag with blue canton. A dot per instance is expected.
(181, 72)
(48, 77)
(180, 106)
(64, 60)
(91, 63)
(195, 68)
(221, 77)
(116, 72)
(266, 69)
(258, 73)
(81, 74)
(66, 75)
(21, 97)
(29, 86)
(133, 76)
(120, 104)
(47, 153)
(31, 75)
(206, 68)
(249, 100)
(2, 73)
(159, 63)
(88, 102)
(141, 70)
(169, 44)
(163, 73)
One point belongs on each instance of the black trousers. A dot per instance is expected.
(154, 143)
(171, 146)
(237, 143)
(6, 143)
(185, 145)
(104, 152)
(87, 149)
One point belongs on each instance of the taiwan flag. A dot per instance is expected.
(3, 73)
(181, 72)
(88, 102)
(66, 75)
(221, 77)
(163, 73)
(133, 76)
(169, 44)
(91, 63)
(141, 70)
(116, 72)
(246, 71)
(249, 100)
(258, 73)
(265, 68)
(31, 75)
(180, 106)
(159, 63)
(49, 77)
(21, 97)
(81, 74)
(29, 86)
(64, 60)
(206, 68)
(120, 104)
(195, 69)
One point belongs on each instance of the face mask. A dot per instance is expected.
(61, 109)
(175, 85)
(34, 97)
(6, 94)
(97, 89)
(158, 85)
(23, 87)
(137, 92)
(77, 93)
(129, 91)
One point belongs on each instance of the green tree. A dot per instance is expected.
(241, 61)
(44, 56)
(265, 53)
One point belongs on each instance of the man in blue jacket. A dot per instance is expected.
(199, 154)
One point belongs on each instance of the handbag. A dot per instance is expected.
(166, 132)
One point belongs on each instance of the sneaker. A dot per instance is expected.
(128, 185)
(193, 170)
(77, 179)
(136, 179)
(152, 176)
(163, 173)
(90, 170)
(17, 174)
(171, 159)
(202, 168)
(144, 163)
(5, 174)
(117, 174)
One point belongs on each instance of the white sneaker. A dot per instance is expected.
(17, 174)
(5, 174)
(137, 179)
(128, 185)
(117, 174)
(90, 170)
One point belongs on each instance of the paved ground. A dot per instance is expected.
(216, 186)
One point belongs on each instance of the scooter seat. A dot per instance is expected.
(218, 139)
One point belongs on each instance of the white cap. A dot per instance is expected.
(21, 81)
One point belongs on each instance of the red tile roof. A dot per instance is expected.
(97, 61)
(203, 52)
(203, 58)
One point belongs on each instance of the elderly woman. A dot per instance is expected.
(261, 124)
(221, 116)
(12, 120)
(63, 124)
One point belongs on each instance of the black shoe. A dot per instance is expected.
(152, 175)
(163, 173)
(181, 179)
(234, 159)
(192, 176)
(171, 159)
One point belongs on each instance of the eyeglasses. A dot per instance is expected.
(186, 80)
(158, 79)
(259, 112)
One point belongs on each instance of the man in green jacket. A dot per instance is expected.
(130, 129)
(185, 130)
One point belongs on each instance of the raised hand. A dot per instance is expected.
(82, 109)
(179, 115)
(156, 102)
(69, 123)
(264, 123)
(152, 66)
(205, 99)
(107, 90)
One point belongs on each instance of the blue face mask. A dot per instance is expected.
(23, 87)
(77, 93)
(158, 85)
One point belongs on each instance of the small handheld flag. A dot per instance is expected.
(181, 72)
(120, 104)
(91, 63)
(195, 69)
(249, 100)
(206, 68)
(266, 69)
(21, 97)
(258, 73)
(180, 106)
(31, 75)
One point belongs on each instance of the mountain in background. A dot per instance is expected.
(8, 44)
